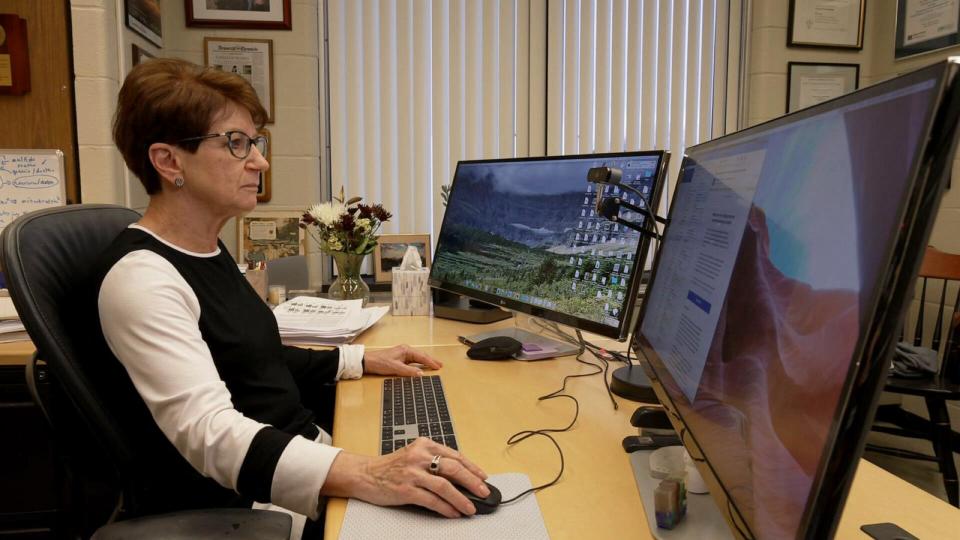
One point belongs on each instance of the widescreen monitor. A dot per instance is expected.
(525, 234)
(779, 289)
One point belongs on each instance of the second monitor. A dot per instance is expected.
(525, 234)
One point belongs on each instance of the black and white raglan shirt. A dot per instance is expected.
(204, 354)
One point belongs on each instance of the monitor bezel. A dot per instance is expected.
(621, 330)
(846, 437)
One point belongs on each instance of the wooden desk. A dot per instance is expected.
(425, 331)
(16, 353)
(597, 496)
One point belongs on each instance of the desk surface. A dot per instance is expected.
(597, 496)
(16, 353)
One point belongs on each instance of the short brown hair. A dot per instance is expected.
(168, 99)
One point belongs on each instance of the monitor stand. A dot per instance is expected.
(631, 382)
(448, 305)
(703, 519)
(535, 346)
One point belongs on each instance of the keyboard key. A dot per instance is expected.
(437, 439)
(386, 447)
(399, 444)
(447, 428)
(450, 441)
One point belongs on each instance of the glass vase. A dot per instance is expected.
(348, 285)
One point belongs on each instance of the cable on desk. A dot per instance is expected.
(597, 351)
(526, 434)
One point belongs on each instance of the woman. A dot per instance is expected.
(201, 348)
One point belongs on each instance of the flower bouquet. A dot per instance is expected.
(346, 230)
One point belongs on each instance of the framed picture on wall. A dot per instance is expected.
(250, 58)
(812, 83)
(925, 26)
(140, 55)
(270, 234)
(263, 190)
(390, 250)
(256, 14)
(143, 17)
(826, 23)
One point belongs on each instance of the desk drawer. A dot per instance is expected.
(28, 499)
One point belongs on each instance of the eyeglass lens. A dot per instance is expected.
(240, 144)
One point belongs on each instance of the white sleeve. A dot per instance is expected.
(351, 362)
(150, 319)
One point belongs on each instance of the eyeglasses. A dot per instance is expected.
(238, 142)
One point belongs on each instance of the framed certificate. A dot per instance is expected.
(263, 189)
(252, 59)
(140, 55)
(926, 25)
(811, 83)
(826, 23)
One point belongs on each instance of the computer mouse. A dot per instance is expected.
(484, 505)
(494, 348)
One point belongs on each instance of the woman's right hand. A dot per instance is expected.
(404, 477)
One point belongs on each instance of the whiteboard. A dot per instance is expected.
(29, 180)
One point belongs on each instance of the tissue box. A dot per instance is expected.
(411, 293)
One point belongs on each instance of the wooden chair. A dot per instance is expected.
(939, 271)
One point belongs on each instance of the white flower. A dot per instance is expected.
(327, 213)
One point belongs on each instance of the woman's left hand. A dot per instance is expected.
(396, 361)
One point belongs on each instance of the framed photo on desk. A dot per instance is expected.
(390, 250)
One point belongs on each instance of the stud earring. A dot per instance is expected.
(178, 181)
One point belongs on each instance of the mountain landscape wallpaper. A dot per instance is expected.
(517, 230)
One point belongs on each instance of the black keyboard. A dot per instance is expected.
(414, 407)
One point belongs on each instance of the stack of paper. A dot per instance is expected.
(320, 321)
(11, 329)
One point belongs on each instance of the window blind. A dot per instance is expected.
(416, 85)
(636, 75)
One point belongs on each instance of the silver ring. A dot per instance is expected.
(435, 465)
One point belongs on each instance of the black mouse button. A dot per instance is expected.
(484, 505)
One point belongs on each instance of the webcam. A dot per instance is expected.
(604, 175)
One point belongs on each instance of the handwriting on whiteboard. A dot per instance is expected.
(29, 181)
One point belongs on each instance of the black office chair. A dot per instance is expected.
(943, 269)
(45, 255)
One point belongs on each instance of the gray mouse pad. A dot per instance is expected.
(521, 520)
